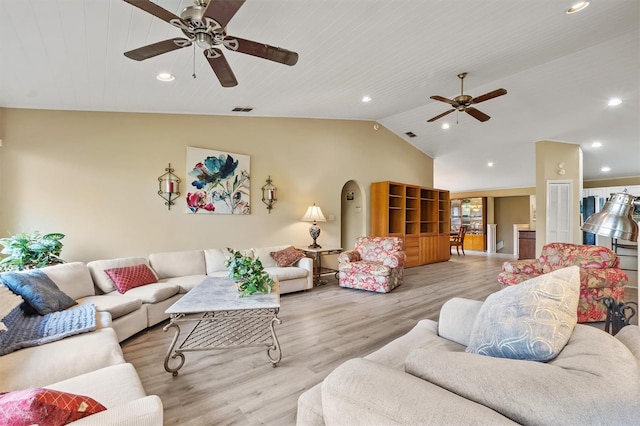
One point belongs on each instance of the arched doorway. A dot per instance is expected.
(353, 214)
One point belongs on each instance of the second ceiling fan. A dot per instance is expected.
(204, 24)
(464, 102)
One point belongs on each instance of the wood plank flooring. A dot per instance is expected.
(321, 328)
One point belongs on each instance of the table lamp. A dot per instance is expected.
(314, 214)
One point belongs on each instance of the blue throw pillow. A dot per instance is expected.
(37, 289)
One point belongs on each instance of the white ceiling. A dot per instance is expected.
(559, 71)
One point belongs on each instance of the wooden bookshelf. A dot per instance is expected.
(418, 215)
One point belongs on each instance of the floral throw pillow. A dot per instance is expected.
(287, 257)
(530, 321)
(127, 277)
(45, 407)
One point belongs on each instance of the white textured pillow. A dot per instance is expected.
(8, 302)
(532, 320)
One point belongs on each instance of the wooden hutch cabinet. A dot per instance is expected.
(418, 215)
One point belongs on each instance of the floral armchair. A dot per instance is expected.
(600, 275)
(375, 264)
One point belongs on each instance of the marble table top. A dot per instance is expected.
(221, 294)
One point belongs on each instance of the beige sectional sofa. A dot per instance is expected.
(92, 363)
(425, 377)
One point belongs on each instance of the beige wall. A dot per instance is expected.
(549, 155)
(93, 176)
(510, 210)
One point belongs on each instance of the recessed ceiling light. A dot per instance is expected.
(490, 164)
(596, 144)
(605, 169)
(444, 126)
(614, 102)
(366, 99)
(581, 5)
(165, 76)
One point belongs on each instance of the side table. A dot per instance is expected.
(316, 254)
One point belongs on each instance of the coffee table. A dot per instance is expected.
(222, 320)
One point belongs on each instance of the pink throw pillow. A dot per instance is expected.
(128, 277)
(45, 407)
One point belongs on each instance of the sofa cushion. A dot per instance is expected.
(73, 278)
(71, 356)
(178, 263)
(288, 273)
(101, 279)
(128, 277)
(594, 380)
(366, 267)
(8, 302)
(560, 255)
(185, 283)
(45, 406)
(114, 303)
(118, 384)
(37, 289)
(153, 293)
(264, 254)
(287, 256)
(531, 321)
(214, 259)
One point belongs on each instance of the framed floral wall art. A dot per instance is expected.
(218, 182)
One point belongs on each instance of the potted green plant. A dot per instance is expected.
(248, 273)
(30, 251)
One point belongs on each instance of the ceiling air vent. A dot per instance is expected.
(242, 109)
(410, 134)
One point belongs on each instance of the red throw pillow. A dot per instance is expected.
(45, 407)
(287, 257)
(128, 277)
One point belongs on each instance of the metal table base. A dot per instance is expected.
(224, 330)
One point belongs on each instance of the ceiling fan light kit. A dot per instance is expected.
(463, 102)
(204, 24)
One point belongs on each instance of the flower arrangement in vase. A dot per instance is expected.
(248, 273)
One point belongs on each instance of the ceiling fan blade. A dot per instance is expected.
(440, 116)
(477, 114)
(490, 95)
(220, 67)
(261, 50)
(157, 11)
(222, 11)
(443, 99)
(156, 49)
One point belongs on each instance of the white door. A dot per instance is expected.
(559, 211)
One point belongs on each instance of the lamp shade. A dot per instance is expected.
(615, 220)
(314, 214)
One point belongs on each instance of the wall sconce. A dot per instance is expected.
(269, 194)
(169, 187)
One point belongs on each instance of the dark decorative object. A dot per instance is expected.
(617, 314)
(169, 187)
(269, 194)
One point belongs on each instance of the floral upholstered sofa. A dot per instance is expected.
(375, 264)
(600, 274)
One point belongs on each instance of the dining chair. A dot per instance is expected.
(457, 241)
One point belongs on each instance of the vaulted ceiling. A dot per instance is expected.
(559, 70)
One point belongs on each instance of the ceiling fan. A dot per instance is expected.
(204, 24)
(464, 102)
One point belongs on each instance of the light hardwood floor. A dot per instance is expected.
(321, 328)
